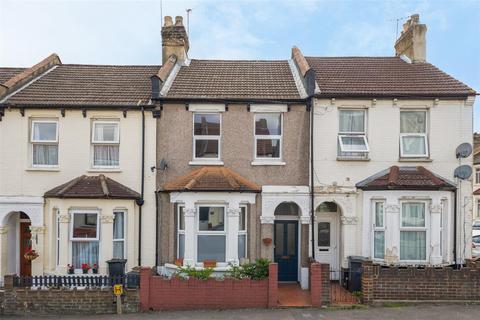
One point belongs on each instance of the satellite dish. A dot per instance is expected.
(163, 165)
(463, 172)
(463, 150)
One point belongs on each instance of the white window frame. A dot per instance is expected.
(124, 239)
(477, 175)
(180, 231)
(43, 142)
(244, 232)
(268, 137)
(424, 135)
(360, 134)
(423, 229)
(376, 228)
(198, 232)
(100, 143)
(72, 220)
(207, 137)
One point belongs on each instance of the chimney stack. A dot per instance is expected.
(174, 39)
(412, 41)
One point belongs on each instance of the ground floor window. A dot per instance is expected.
(379, 230)
(84, 238)
(211, 235)
(413, 233)
(119, 235)
(242, 233)
(181, 232)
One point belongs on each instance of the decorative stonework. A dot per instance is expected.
(190, 212)
(106, 218)
(267, 220)
(3, 229)
(392, 208)
(64, 218)
(233, 212)
(391, 255)
(305, 219)
(349, 220)
(345, 202)
(37, 229)
(436, 208)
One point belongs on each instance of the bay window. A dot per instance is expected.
(413, 134)
(84, 237)
(44, 141)
(105, 144)
(242, 233)
(180, 232)
(378, 230)
(268, 136)
(206, 136)
(211, 236)
(119, 235)
(352, 136)
(413, 232)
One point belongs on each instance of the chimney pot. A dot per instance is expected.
(168, 21)
(412, 40)
(179, 21)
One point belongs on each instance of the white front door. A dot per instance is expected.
(327, 241)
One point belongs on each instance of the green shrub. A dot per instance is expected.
(257, 270)
(190, 272)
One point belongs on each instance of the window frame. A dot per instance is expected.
(361, 134)
(424, 135)
(477, 175)
(124, 239)
(34, 142)
(425, 229)
(72, 221)
(94, 143)
(180, 231)
(244, 232)
(207, 137)
(376, 228)
(199, 232)
(267, 137)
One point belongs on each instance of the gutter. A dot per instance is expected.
(227, 100)
(455, 192)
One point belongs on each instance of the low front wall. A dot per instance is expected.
(420, 284)
(159, 293)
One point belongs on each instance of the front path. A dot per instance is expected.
(421, 312)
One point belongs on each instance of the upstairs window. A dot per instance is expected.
(413, 134)
(352, 136)
(106, 144)
(44, 140)
(268, 136)
(206, 136)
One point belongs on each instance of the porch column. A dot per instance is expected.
(64, 219)
(436, 216)
(233, 214)
(38, 238)
(189, 254)
(3, 250)
(106, 241)
(392, 236)
(348, 229)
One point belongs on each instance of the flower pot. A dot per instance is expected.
(85, 271)
(209, 264)
(267, 241)
(70, 271)
(94, 271)
(179, 262)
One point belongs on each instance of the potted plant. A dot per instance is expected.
(85, 267)
(267, 241)
(70, 269)
(95, 268)
(209, 263)
(30, 254)
(179, 262)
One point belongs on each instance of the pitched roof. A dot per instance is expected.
(6, 73)
(235, 79)
(212, 179)
(75, 84)
(405, 178)
(383, 77)
(476, 192)
(93, 187)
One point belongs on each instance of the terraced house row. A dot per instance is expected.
(194, 162)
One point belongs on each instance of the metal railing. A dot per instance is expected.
(131, 280)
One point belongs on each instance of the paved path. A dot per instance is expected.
(422, 312)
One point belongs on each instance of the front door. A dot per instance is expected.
(326, 246)
(25, 245)
(286, 249)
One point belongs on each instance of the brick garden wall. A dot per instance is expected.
(158, 293)
(420, 284)
(319, 284)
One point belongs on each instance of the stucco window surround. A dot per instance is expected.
(352, 134)
(268, 134)
(414, 128)
(207, 136)
(44, 134)
(105, 144)
(190, 204)
(432, 226)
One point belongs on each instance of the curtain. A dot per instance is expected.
(84, 252)
(352, 121)
(105, 155)
(413, 144)
(118, 249)
(118, 225)
(413, 214)
(45, 154)
(211, 247)
(354, 143)
(242, 246)
(379, 244)
(412, 122)
(412, 245)
(106, 132)
(181, 245)
(379, 214)
(45, 131)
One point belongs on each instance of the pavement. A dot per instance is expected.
(392, 312)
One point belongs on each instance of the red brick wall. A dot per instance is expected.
(411, 283)
(158, 293)
(319, 284)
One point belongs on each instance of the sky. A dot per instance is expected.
(128, 31)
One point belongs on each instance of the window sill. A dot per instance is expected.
(415, 160)
(46, 169)
(268, 163)
(205, 163)
(352, 159)
(104, 170)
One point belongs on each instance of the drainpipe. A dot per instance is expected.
(455, 227)
(142, 187)
(312, 209)
(156, 229)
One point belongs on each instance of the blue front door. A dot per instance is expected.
(286, 249)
